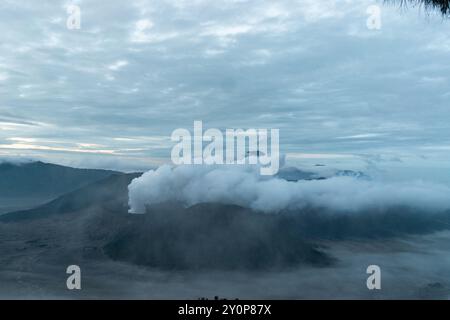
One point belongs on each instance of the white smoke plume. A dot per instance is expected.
(243, 186)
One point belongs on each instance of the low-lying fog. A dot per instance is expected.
(414, 267)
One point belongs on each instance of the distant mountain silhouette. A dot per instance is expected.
(295, 174)
(24, 185)
(42, 179)
(110, 193)
(351, 173)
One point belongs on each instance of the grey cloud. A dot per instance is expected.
(310, 68)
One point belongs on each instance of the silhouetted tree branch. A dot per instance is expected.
(442, 5)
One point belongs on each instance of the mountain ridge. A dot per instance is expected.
(28, 184)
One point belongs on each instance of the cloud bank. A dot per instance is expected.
(243, 186)
(134, 72)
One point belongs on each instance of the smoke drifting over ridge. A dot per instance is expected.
(243, 186)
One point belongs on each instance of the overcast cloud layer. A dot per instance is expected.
(111, 93)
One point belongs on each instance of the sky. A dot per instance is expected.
(110, 93)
